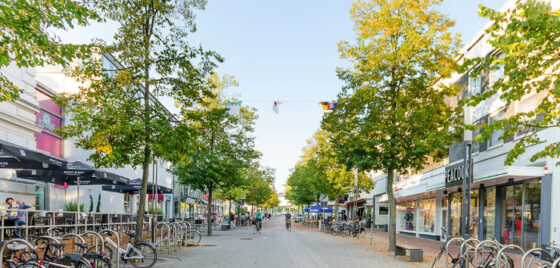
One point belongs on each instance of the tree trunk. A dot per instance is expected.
(147, 155)
(336, 209)
(392, 211)
(209, 217)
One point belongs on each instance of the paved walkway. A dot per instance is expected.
(276, 247)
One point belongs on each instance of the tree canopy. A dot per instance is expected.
(527, 42)
(27, 39)
(392, 113)
(116, 112)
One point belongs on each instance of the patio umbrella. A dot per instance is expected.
(17, 157)
(134, 188)
(76, 173)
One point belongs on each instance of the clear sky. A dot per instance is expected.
(286, 50)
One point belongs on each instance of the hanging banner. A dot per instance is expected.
(276, 106)
(327, 106)
(233, 107)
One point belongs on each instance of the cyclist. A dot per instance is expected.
(288, 221)
(259, 218)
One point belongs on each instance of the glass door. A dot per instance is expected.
(512, 221)
(532, 215)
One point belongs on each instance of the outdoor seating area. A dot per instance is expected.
(96, 238)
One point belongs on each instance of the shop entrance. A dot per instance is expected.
(520, 217)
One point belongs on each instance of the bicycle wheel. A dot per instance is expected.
(83, 263)
(29, 265)
(149, 255)
(106, 249)
(195, 237)
(97, 261)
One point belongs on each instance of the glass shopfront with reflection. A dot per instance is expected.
(509, 212)
(520, 214)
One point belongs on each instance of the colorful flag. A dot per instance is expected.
(276, 106)
(328, 105)
(233, 107)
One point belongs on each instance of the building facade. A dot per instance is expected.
(30, 122)
(513, 203)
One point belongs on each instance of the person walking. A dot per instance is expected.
(288, 221)
(231, 219)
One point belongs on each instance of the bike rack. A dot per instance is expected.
(460, 239)
(13, 241)
(501, 251)
(189, 230)
(97, 237)
(111, 233)
(161, 226)
(49, 238)
(483, 242)
(465, 247)
(556, 263)
(531, 251)
(179, 234)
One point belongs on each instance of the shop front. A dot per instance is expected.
(508, 207)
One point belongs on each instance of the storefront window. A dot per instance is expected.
(511, 214)
(531, 215)
(444, 202)
(455, 214)
(127, 203)
(473, 220)
(427, 212)
(407, 215)
(489, 212)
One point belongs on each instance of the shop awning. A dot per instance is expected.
(318, 209)
(358, 202)
(17, 157)
(73, 174)
(134, 188)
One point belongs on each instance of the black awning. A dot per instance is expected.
(86, 174)
(17, 157)
(134, 188)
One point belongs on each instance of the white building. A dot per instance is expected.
(513, 203)
(29, 122)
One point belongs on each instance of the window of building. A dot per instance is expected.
(383, 210)
(406, 212)
(455, 214)
(475, 87)
(473, 218)
(479, 146)
(427, 213)
(489, 200)
(495, 139)
(127, 203)
(520, 217)
(48, 118)
(498, 71)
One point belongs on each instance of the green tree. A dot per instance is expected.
(338, 175)
(26, 39)
(221, 148)
(259, 181)
(529, 40)
(300, 188)
(116, 113)
(392, 114)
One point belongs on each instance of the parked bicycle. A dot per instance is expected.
(140, 254)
